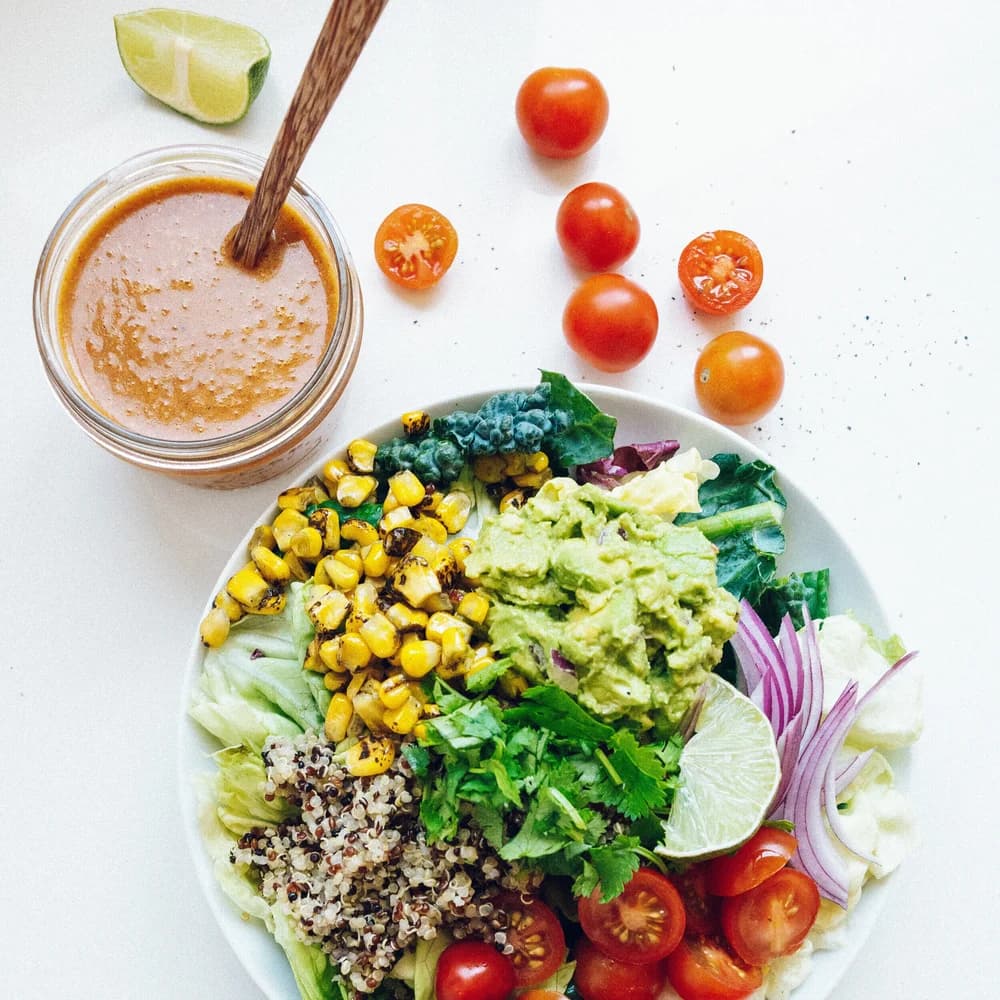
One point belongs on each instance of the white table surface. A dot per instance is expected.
(857, 144)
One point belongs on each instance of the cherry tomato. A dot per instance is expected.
(610, 322)
(643, 924)
(702, 968)
(720, 271)
(536, 936)
(473, 970)
(415, 245)
(598, 977)
(701, 908)
(597, 227)
(772, 919)
(542, 995)
(738, 378)
(766, 852)
(561, 112)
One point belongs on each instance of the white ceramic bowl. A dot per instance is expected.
(812, 543)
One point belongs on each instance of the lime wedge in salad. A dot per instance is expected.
(201, 66)
(729, 772)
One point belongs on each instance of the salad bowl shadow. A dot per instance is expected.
(812, 540)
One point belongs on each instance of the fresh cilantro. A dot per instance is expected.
(418, 757)
(553, 709)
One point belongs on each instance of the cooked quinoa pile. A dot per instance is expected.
(355, 872)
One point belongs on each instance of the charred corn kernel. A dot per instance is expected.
(454, 646)
(437, 602)
(356, 683)
(444, 565)
(415, 422)
(355, 620)
(398, 517)
(405, 618)
(420, 730)
(389, 503)
(361, 455)
(333, 472)
(232, 608)
(415, 581)
(327, 523)
(299, 570)
(350, 557)
(318, 589)
(381, 635)
(431, 501)
(338, 717)
(254, 593)
(418, 657)
(340, 574)
(263, 534)
(313, 660)
(369, 757)
(488, 468)
(441, 621)
(319, 574)
(214, 627)
(353, 653)
(329, 654)
(515, 463)
(394, 691)
(306, 543)
(328, 611)
(448, 672)
(533, 480)
(335, 680)
(513, 685)
(353, 529)
(406, 488)
(513, 500)
(270, 565)
(375, 560)
(480, 663)
(353, 491)
(474, 607)
(402, 720)
(453, 511)
(300, 497)
(423, 545)
(286, 525)
(432, 528)
(461, 549)
(366, 597)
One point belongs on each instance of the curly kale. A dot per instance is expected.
(555, 417)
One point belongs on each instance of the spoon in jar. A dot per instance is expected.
(341, 39)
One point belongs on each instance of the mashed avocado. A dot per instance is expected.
(627, 601)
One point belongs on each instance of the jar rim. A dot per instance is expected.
(286, 423)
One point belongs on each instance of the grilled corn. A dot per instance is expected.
(214, 628)
(369, 757)
(338, 717)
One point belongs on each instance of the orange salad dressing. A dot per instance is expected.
(169, 337)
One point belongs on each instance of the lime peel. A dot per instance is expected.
(729, 773)
(205, 67)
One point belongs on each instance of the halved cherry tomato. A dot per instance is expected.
(611, 322)
(561, 112)
(415, 245)
(720, 271)
(597, 227)
(473, 970)
(599, 977)
(701, 908)
(738, 378)
(536, 936)
(766, 852)
(643, 924)
(773, 919)
(702, 968)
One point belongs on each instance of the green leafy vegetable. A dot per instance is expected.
(370, 512)
(788, 594)
(240, 797)
(313, 975)
(552, 709)
(589, 434)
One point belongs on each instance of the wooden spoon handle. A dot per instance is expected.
(343, 36)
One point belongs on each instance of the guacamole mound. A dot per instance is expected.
(627, 601)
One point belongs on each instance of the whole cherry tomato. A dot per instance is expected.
(473, 970)
(610, 322)
(561, 112)
(597, 227)
(738, 378)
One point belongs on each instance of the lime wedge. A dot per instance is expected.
(729, 773)
(201, 66)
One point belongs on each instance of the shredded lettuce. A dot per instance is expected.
(253, 685)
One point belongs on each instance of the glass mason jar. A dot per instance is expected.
(277, 441)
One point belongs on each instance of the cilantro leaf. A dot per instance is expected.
(482, 680)
(615, 865)
(551, 708)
